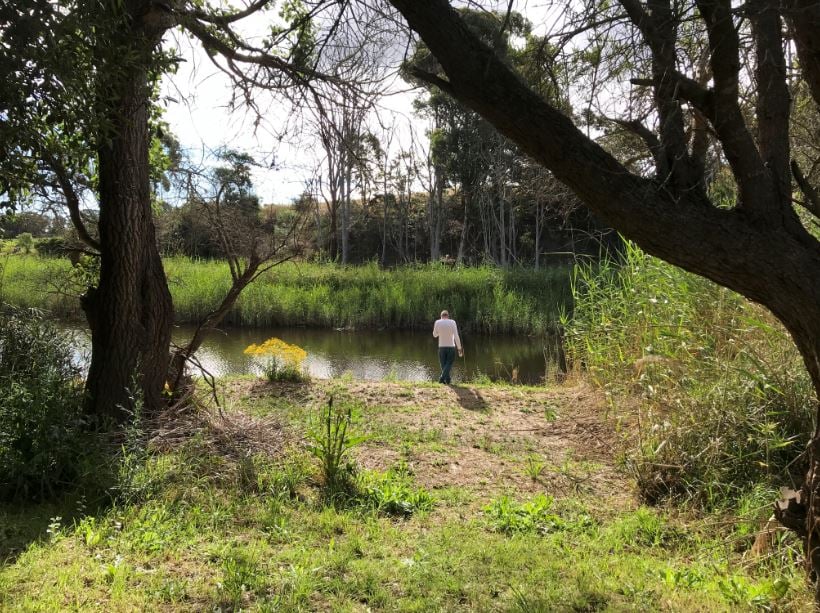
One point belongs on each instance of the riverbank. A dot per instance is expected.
(484, 299)
(465, 498)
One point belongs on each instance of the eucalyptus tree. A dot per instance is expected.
(761, 246)
(79, 77)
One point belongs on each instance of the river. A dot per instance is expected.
(371, 354)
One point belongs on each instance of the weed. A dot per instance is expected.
(535, 466)
(331, 443)
(392, 493)
(536, 515)
(241, 574)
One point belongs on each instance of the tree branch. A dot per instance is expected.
(727, 118)
(812, 202)
(72, 200)
(224, 17)
(773, 99)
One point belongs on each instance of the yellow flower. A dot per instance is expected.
(279, 350)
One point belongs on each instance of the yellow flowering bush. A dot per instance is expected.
(283, 362)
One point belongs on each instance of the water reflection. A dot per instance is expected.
(368, 354)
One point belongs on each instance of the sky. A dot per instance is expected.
(196, 101)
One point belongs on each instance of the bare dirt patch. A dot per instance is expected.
(487, 440)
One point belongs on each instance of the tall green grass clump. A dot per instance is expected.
(42, 427)
(724, 402)
(49, 284)
(483, 299)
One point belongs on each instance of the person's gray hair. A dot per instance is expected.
(445, 314)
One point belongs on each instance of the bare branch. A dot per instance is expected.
(812, 202)
(72, 200)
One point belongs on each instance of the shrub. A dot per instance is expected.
(25, 242)
(51, 247)
(42, 428)
(283, 362)
(724, 401)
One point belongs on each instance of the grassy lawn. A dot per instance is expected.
(474, 498)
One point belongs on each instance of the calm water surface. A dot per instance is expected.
(370, 354)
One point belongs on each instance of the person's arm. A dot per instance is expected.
(435, 330)
(457, 339)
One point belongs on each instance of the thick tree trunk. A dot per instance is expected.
(130, 312)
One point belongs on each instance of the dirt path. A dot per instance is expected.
(486, 440)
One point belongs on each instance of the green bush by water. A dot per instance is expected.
(484, 299)
(724, 401)
(42, 427)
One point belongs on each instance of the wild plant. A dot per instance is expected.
(283, 362)
(534, 467)
(330, 443)
(44, 438)
(536, 515)
(393, 492)
(723, 402)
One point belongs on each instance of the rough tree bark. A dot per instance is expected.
(130, 311)
(759, 249)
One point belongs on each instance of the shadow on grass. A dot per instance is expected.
(26, 518)
(470, 399)
(24, 523)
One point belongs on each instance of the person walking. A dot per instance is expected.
(446, 331)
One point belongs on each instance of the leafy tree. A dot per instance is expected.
(78, 79)
(759, 247)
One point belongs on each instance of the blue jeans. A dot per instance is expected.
(446, 357)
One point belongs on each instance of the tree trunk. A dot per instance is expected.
(130, 312)
(465, 197)
(435, 215)
(346, 181)
(539, 216)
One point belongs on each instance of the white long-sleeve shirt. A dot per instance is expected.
(446, 331)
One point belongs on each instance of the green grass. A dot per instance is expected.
(215, 530)
(481, 299)
(724, 401)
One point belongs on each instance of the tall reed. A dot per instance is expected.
(724, 402)
(326, 295)
(485, 299)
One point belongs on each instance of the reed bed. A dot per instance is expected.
(482, 299)
(724, 403)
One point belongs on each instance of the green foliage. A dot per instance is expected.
(43, 441)
(536, 515)
(330, 443)
(393, 492)
(724, 400)
(25, 242)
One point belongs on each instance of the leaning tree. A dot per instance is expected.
(761, 247)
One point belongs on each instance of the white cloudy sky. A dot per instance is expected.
(196, 107)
